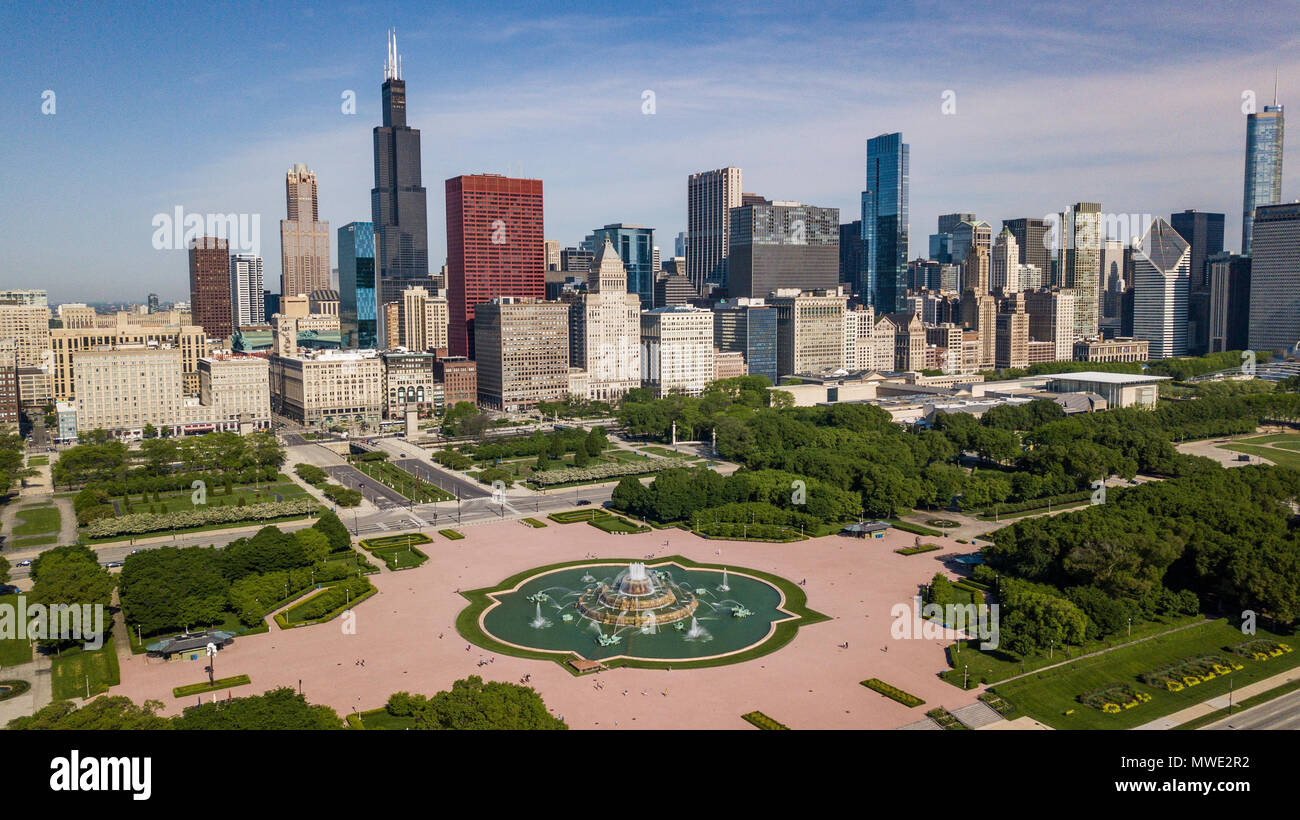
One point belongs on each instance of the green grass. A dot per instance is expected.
(38, 461)
(13, 651)
(37, 520)
(1282, 458)
(915, 529)
(380, 719)
(400, 557)
(397, 479)
(655, 450)
(36, 541)
(13, 688)
(1051, 696)
(615, 524)
(995, 665)
(184, 499)
(454, 535)
(534, 523)
(201, 688)
(70, 671)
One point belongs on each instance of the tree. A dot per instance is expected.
(315, 546)
(580, 457)
(473, 704)
(329, 524)
(150, 431)
(104, 713)
(4, 570)
(280, 708)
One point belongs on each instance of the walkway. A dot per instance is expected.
(1221, 702)
(37, 673)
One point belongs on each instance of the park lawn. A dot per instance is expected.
(995, 665)
(400, 557)
(1049, 695)
(664, 451)
(34, 541)
(380, 719)
(205, 687)
(1282, 458)
(38, 461)
(13, 651)
(70, 671)
(37, 520)
(616, 524)
(184, 499)
(1270, 438)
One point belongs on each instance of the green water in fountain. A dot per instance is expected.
(713, 629)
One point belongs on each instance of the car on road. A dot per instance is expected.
(133, 552)
(583, 502)
(24, 563)
(9, 589)
(112, 564)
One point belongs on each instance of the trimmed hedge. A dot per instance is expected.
(534, 523)
(452, 534)
(892, 692)
(616, 525)
(328, 604)
(918, 550)
(576, 516)
(219, 683)
(373, 544)
(915, 529)
(762, 721)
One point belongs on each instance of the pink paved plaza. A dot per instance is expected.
(407, 638)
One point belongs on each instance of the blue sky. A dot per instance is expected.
(1137, 106)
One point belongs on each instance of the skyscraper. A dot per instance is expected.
(358, 315)
(884, 221)
(1080, 265)
(304, 239)
(609, 320)
(853, 259)
(1275, 278)
(1263, 177)
(1004, 265)
(1204, 233)
(941, 242)
(397, 202)
(710, 196)
(1229, 302)
(246, 304)
(210, 286)
(1160, 280)
(635, 246)
(494, 248)
(1031, 238)
(779, 245)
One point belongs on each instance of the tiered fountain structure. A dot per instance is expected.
(638, 597)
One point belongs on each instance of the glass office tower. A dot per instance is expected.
(1263, 186)
(358, 314)
(884, 221)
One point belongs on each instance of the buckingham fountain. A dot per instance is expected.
(669, 610)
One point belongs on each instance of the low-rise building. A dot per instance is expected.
(1112, 350)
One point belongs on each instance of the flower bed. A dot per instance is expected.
(1114, 698)
(1260, 649)
(892, 692)
(597, 472)
(1189, 672)
(138, 523)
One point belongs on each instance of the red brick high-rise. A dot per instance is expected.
(210, 286)
(495, 247)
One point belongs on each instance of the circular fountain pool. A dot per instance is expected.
(661, 611)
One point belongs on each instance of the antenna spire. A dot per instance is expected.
(393, 65)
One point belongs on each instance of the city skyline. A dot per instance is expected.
(1105, 146)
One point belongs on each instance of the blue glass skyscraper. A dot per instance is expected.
(884, 221)
(358, 314)
(635, 245)
(1263, 166)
